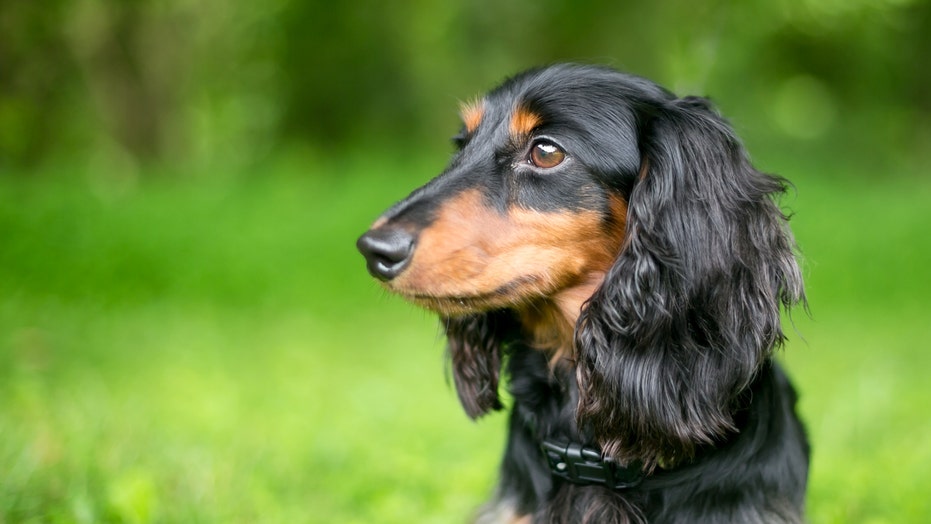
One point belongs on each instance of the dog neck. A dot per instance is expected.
(550, 323)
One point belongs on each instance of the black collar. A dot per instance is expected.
(581, 464)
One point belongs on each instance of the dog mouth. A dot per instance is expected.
(510, 294)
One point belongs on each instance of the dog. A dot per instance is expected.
(610, 250)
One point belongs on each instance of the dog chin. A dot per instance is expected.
(457, 306)
(511, 295)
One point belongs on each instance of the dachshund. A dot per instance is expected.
(608, 248)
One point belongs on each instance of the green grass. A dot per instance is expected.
(210, 349)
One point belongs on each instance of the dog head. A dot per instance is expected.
(615, 226)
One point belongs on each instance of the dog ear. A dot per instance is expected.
(691, 308)
(474, 348)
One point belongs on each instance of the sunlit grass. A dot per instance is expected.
(211, 350)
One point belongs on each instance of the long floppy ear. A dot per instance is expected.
(474, 347)
(690, 310)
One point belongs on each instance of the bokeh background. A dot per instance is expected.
(187, 333)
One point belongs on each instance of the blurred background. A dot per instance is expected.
(188, 335)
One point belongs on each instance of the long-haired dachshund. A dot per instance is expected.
(612, 248)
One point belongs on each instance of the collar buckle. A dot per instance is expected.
(584, 465)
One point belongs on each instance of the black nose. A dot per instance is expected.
(387, 251)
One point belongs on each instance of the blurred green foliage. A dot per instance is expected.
(119, 83)
(188, 335)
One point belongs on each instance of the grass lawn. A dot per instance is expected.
(211, 349)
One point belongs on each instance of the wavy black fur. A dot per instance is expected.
(691, 308)
(475, 346)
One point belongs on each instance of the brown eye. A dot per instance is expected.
(546, 155)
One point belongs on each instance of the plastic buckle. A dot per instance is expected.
(584, 465)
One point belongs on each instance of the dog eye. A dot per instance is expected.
(546, 155)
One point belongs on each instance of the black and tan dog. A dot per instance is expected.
(611, 246)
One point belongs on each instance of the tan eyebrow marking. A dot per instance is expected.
(523, 121)
(472, 113)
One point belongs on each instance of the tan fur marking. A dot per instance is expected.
(543, 264)
(379, 222)
(523, 122)
(501, 512)
(472, 113)
(644, 169)
(552, 321)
